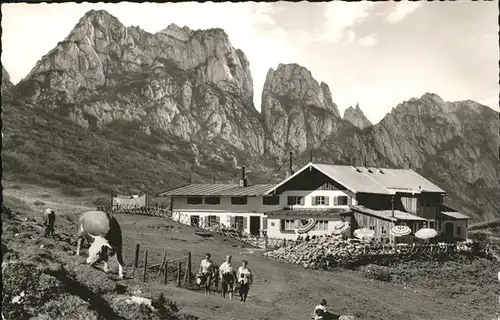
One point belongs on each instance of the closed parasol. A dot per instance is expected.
(400, 231)
(364, 233)
(340, 228)
(498, 275)
(426, 233)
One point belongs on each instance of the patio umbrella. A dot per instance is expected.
(340, 228)
(426, 233)
(364, 233)
(498, 275)
(400, 231)
(304, 228)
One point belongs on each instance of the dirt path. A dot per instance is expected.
(280, 291)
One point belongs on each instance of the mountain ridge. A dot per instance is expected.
(142, 118)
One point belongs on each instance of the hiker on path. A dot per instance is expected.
(227, 276)
(207, 271)
(245, 278)
(320, 310)
(49, 221)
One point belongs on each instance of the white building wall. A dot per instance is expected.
(182, 211)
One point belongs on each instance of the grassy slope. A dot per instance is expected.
(281, 291)
(44, 148)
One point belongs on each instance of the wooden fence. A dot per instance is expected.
(175, 271)
(233, 232)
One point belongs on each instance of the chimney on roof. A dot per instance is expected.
(365, 162)
(243, 179)
(190, 178)
(310, 156)
(290, 164)
(213, 179)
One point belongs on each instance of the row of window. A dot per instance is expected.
(268, 201)
(320, 200)
(215, 221)
(290, 225)
(275, 200)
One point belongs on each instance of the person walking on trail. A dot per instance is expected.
(245, 278)
(207, 270)
(320, 310)
(227, 276)
(49, 222)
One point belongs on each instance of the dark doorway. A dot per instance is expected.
(255, 225)
(448, 230)
(195, 221)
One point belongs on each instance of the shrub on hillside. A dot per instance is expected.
(39, 203)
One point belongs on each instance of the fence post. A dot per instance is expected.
(145, 265)
(162, 263)
(165, 270)
(265, 243)
(190, 275)
(136, 259)
(186, 274)
(179, 266)
(284, 242)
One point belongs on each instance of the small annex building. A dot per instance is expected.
(316, 198)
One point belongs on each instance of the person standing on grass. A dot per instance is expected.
(49, 222)
(227, 276)
(245, 278)
(207, 271)
(320, 310)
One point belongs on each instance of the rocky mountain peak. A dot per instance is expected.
(298, 112)
(357, 117)
(432, 97)
(182, 81)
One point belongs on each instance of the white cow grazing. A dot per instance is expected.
(104, 229)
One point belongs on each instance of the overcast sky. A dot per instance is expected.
(377, 54)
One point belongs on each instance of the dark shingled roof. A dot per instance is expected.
(218, 190)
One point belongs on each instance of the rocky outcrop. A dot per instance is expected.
(298, 112)
(6, 83)
(357, 117)
(190, 83)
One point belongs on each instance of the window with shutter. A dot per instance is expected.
(335, 201)
(271, 200)
(217, 220)
(238, 222)
(342, 201)
(327, 201)
(245, 223)
(349, 200)
(264, 223)
(212, 221)
(282, 224)
(239, 200)
(302, 201)
(320, 200)
(232, 222)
